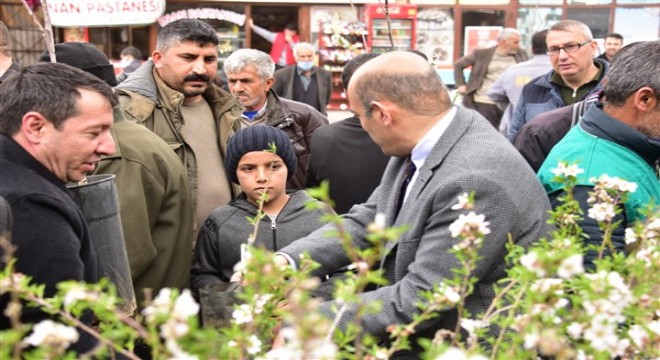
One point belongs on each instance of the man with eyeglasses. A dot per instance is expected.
(574, 76)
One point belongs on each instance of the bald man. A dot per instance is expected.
(406, 110)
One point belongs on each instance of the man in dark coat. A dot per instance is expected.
(303, 81)
(250, 77)
(52, 132)
(345, 155)
(487, 65)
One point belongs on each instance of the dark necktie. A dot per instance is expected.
(408, 172)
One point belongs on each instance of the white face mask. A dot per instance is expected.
(305, 65)
(124, 62)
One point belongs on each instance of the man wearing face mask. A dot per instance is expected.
(303, 81)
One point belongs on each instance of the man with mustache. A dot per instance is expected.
(174, 97)
(53, 131)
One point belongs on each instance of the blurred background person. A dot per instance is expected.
(131, 59)
(506, 89)
(613, 43)
(344, 154)
(487, 65)
(7, 64)
(305, 82)
(283, 42)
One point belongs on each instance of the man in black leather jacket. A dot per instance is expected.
(250, 79)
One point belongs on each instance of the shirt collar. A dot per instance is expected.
(259, 113)
(421, 151)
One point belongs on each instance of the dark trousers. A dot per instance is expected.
(491, 112)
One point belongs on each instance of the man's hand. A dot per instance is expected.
(461, 89)
(280, 260)
(250, 22)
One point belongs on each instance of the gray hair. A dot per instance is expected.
(507, 33)
(632, 69)
(573, 25)
(242, 58)
(303, 45)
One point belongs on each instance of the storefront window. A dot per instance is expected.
(435, 35)
(533, 19)
(597, 19)
(637, 24)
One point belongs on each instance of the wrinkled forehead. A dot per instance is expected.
(561, 37)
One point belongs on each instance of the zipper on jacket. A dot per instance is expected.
(273, 228)
(281, 124)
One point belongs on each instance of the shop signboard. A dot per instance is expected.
(480, 37)
(75, 13)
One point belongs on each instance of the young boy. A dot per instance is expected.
(251, 163)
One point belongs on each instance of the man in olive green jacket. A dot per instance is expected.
(174, 97)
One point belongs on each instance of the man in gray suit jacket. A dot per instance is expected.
(305, 82)
(455, 151)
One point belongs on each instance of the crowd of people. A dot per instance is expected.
(192, 161)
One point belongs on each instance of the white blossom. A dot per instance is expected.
(463, 202)
(452, 353)
(638, 335)
(254, 345)
(469, 224)
(602, 212)
(631, 237)
(242, 314)
(177, 353)
(161, 304)
(471, 325)
(565, 170)
(531, 262)
(602, 334)
(548, 284)
(652, 230)
(447, 294)
(570, 266)
(654, 326)
(75, 294)
(185, 306)
(614, 183)
(51, 334)
(574, 330)
(261, 302)
(531, 340)
(174, 329)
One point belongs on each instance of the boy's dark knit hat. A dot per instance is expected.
(84, 56)
(259, 138)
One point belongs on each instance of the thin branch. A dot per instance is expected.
(46, 29)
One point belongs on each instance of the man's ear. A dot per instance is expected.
(33, 126)
(383, 110)
(269, 83)
(645, 99)
(157, 56)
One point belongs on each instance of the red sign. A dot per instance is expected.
(480, 37)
